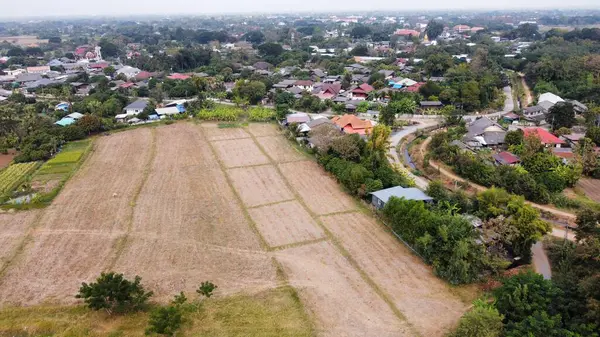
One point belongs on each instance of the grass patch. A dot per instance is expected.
(12, 176)
(273, 313)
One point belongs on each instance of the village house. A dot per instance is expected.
(506, 158)
(42, 70)
(381, 197)
(361, 92)
(483, 132)
(351, 124)
(547, 139)
(135, 107)
(305, 85)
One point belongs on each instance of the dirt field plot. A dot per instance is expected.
(341, 302)
(170, 266)
(188, 226)
(591, 188)
(285, 223)
(214, 132)
(186, 195)
(239, 152)
(259, 185)
(278, 148)
(263, 129)
(424, 299)
(318, 190)
(54, 265)
(12, 230)
(98, 197)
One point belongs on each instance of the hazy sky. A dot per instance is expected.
(142, 7)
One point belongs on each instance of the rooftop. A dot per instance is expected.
(410, 193)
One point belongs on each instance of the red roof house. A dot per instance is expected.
(545, 137)
(177, 76)
(506, 158)
(99, 65)
(362, 91)
(414, 87)
(329, 90)
(352, 124)
(407, 32)
(142, 76)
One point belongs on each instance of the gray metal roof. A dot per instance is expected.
(137, 105)
(410, 193)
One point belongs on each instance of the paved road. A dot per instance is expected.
(540, 261)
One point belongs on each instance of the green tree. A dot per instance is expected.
(165, 320)
(206, 289)
(378, 144)
(437, 64)
(270, 49)
(561, 115)
(524, 294)
(585, 155)
(360, 31)
(360, 50)
(90, 124)
(514, 137)
(593, 133)
(114, 293)
(483, 320)
(434, 29)
(109, 71)
(253, 91)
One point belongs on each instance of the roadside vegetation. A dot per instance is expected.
(528, 305)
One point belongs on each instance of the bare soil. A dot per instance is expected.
(54, 264)
(214, 132)
(262, 129)
(239, 152)
(285, 223)
(591, 188)
(98, 197)
(318, 190)
(279, 149)
(259, 185)
(423, 299)
(334, 293)
(188, 226)
(13, 227)
(5, 159)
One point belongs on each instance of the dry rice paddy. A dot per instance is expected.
(182, 204)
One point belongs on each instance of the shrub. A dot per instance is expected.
(206, 289)
(113, 293)
(165, 320)
(482, 321)
(220, 113)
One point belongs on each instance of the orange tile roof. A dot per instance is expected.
(352, 124)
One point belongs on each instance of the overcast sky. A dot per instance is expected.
(30, 8)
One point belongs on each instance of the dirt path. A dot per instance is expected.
(528, 95)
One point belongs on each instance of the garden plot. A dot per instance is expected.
(423, 299)
(285, 223)
(319, 191)
(340, 301)
(259, 185)
(214, 132)
(278, 148)
(239, 152)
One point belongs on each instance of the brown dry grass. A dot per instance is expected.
(13, 227)
(214, 132)
(262, 129)
(279, 149)
(410, 284)
(98, 197)
(285, 223)
(318, 190)
(591, 188)
(259, 185)
(188, 226)
(53, 266)
(340, 301)
(239, 152)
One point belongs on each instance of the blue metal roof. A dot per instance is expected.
(65, 121)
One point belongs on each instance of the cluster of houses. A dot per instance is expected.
(537, 113)
(131, 111)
